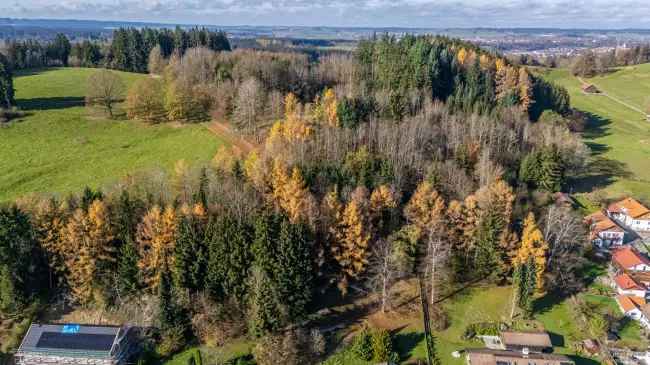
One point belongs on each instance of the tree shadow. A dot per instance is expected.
(547, 302)
(600, 172)
(405, 343)
(52, 103)
(557, 340)
(579, 360)
(595, 126)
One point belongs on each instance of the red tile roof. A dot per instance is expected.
(629, 302)
(627, 257)
(626, 282)
(599, 222)
(630, 207)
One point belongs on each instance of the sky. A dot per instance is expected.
(361, 13)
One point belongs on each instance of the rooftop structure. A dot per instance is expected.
(74, 344)
(533, 341)
(498, 357)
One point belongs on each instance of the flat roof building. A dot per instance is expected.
(74, 344)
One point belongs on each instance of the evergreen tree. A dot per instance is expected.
(21, 267)
(128, 281)
(294, 276)
(488, 258)
(6, 83)
(60, 49)
(190, 256)
(266, 313)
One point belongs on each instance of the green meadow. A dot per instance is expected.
(618, 136)
(60, 146)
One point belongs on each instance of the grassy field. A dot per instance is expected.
(618, 136)
(61, 147)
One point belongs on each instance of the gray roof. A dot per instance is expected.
(70, 340)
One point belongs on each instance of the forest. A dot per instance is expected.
(419, 157)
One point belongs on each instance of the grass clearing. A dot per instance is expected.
(59, 148)
(618, 136)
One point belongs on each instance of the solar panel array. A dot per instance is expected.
(75, 341)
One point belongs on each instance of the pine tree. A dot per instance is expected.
(6, 84)
(190, 256)
(294, 268)
(266, 312)
(128, 275)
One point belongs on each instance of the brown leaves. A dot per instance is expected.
(156, 239)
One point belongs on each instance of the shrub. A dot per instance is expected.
(382, 346)
(145, 101)
(481, 329)
(362, 345)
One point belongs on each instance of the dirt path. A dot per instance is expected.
(603, 93)
(222, 130)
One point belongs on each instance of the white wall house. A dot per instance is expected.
(627, 258)
(631, 214)
(632, 307)
(603, 231)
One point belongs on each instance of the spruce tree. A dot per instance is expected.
(6, 83)
(127, 269)
(294, 268)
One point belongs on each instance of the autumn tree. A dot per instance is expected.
(104, 89)
(426, 211)
(533, 246)
(49, 226)
(156, 238)
(290, 194)
(525, 90)
(145, 101)
(249, 105)
(351, 236)
(157, 62)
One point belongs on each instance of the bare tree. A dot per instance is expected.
(157, 62)
(383, 271)
(438, 249)
(105, 89)
(566, 236)
(248, 105)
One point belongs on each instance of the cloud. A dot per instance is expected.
(408, 13)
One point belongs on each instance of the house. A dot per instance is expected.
(590, 89)
(530, 341)
(625, 284)
(630, 213)
(603, 231)
(75, 344)
(627, 258)
(634, 308)
(505, 357)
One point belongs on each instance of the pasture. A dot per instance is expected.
(60, 146)
(618, 135)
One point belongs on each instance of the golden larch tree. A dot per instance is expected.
(79, 257)
(49, 225)
(351, 238)
(533, 245)
(156, 239)
(525, 89)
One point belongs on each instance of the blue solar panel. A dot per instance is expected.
(70, 328)
(75, 341)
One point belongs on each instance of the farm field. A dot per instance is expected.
(60, 147)
(618, 136)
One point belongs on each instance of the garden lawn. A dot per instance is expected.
(59, 147)
(618, 136)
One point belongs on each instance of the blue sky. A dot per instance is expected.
(376, 13)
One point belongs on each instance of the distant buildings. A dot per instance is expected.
(75, 344)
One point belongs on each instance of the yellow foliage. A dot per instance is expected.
(291, 107)
(426, 208)
(381, 198)
(225, 160)
(525, 89)
(330, 108)
(533, 245)
(461, 56)
(156, 238)
(485, 62)
(500, 64)
(289, 192)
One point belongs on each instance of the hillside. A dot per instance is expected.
(59, 147)
(618, 135)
